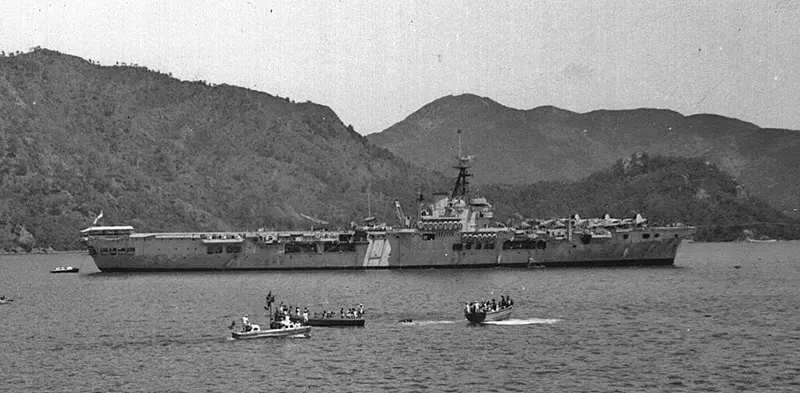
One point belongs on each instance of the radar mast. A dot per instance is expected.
(461, 188)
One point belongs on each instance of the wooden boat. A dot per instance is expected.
(65, 269)
(256, 332)
(333, 322)
(483, 316)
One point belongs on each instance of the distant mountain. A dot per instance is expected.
(547, 143)
(77, 138)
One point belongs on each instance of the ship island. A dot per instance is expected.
(456, 231)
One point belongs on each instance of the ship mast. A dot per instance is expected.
(461, 188)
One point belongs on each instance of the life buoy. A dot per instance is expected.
(420, 225)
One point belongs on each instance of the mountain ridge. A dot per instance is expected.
(549, 143)
(161, 154)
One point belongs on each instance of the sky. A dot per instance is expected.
(376, 62)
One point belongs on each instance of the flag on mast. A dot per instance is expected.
(99, 216)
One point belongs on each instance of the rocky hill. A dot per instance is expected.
(77, 138)
(547, 143)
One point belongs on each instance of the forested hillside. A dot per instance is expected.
(148, 150)
(665, 190)
(77, 138)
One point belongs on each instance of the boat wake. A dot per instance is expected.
(519, 322)
(419, 323)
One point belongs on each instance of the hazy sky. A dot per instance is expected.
(376, 62)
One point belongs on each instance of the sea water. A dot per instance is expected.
(725, 318)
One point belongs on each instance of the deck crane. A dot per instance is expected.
(315, 220)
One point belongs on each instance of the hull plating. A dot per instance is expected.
(390, 250)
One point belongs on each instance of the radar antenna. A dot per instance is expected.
(461, 188)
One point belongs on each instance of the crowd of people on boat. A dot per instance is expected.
(489, 305)
(286, 316)
(284, 311)
(355, 312)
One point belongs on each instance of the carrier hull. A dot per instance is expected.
(455, 232)
(401, 249)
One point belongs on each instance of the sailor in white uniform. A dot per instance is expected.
(245, 323)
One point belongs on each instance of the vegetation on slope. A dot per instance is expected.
(77, 138)
(161, 154)
(665, 190)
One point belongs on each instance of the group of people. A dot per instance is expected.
(350, 313)
(283, 312)
(488, 305)
(285, 318)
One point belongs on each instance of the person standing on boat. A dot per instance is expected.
(287, 321)
(361, 311)
(305, 315)
(245, 323)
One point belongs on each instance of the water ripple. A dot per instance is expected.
(700, 327)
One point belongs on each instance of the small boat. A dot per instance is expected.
(332, 322)
(482, 316)
(65, 269)
(256, 332)
(6, 301)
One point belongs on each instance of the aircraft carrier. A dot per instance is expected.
(453, 232)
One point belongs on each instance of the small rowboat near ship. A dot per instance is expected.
(256, 332)
(481, 316)
(65, 269)
(335, 322)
